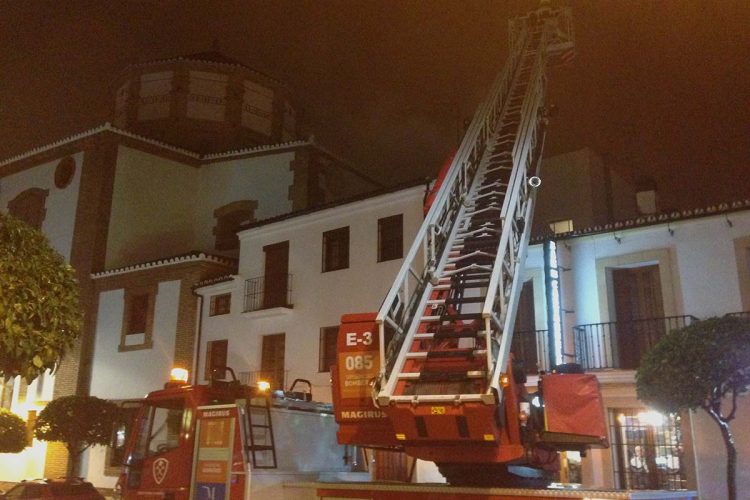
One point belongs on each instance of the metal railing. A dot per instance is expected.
(530, 346)
(621, 344)
(741, 314)
(265, 292)
(277, 378)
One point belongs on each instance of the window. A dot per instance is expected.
(138, 320)
(120, 433)
(272, 360)
(647, 450)
(336, 249)
(229, 219)
(29, 207)
(216, 359)
(161, 427)
(561, 226)
(220, 304)
(327, 354)
(390, 238)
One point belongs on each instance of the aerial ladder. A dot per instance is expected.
(432, 372)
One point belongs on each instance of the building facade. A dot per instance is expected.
(202, 228)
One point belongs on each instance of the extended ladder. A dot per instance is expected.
(453, 304)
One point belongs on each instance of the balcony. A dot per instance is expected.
(268, 292)
(621, 344)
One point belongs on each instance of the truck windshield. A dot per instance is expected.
(163, 423)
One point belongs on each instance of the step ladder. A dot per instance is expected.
(260, 430)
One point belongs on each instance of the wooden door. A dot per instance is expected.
(276, 277)
(272, 360)
(638, 310)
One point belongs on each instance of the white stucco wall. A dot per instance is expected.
(704, 279)
(319, 298)
(132, 374)
(153, 208)
(265, 179)
(61, 204)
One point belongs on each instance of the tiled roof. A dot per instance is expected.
(108, 127)
(211, 57)
(651, 219)
(168, 261)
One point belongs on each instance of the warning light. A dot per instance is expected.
(178, 375)
(264, 385)
(505, 380)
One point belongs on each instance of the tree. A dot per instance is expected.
(703, 365)
(79, 422)
(40, 316)
(12, 432)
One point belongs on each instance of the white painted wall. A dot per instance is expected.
(319, 298)
(61, 204)
(265, 179)
(153, 208)
(132, 374)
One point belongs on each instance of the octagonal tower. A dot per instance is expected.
(204, 102)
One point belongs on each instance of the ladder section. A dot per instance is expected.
(448, 356)
(451, 311)
(260, 430)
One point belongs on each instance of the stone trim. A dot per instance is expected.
(130, 293)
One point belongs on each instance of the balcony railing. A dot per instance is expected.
(277, 378)
(530, 346)
(265, 292)
(621, 344)
(742, 315)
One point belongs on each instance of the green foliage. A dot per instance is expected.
(77, 421)
(39, 311)
(12, 432)
(697, 366)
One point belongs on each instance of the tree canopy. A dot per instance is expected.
(696, 366)
(40, 317)
(703, 365)
(78, 422)
(12, 432)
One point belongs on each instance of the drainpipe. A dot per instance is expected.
(199, 330)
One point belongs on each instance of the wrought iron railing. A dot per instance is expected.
(621, 344)
(277, 378)
(530, 346)
(741, 315)
(265, 292)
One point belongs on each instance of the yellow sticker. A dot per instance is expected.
(438, 410)
(401, 437)
(489, 437)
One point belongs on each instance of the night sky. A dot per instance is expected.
(659, 88)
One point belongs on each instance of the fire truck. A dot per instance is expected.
(227, 440)
(431, 373)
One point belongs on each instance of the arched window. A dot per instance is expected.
(229, 218)
(29, 206)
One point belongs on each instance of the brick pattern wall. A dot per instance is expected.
(87, 256)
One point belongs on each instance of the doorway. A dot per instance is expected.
(639, 312)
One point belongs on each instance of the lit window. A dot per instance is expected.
(390, 238)
(220, 304)
(561, 226)
(336, 249)
(327, 356)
